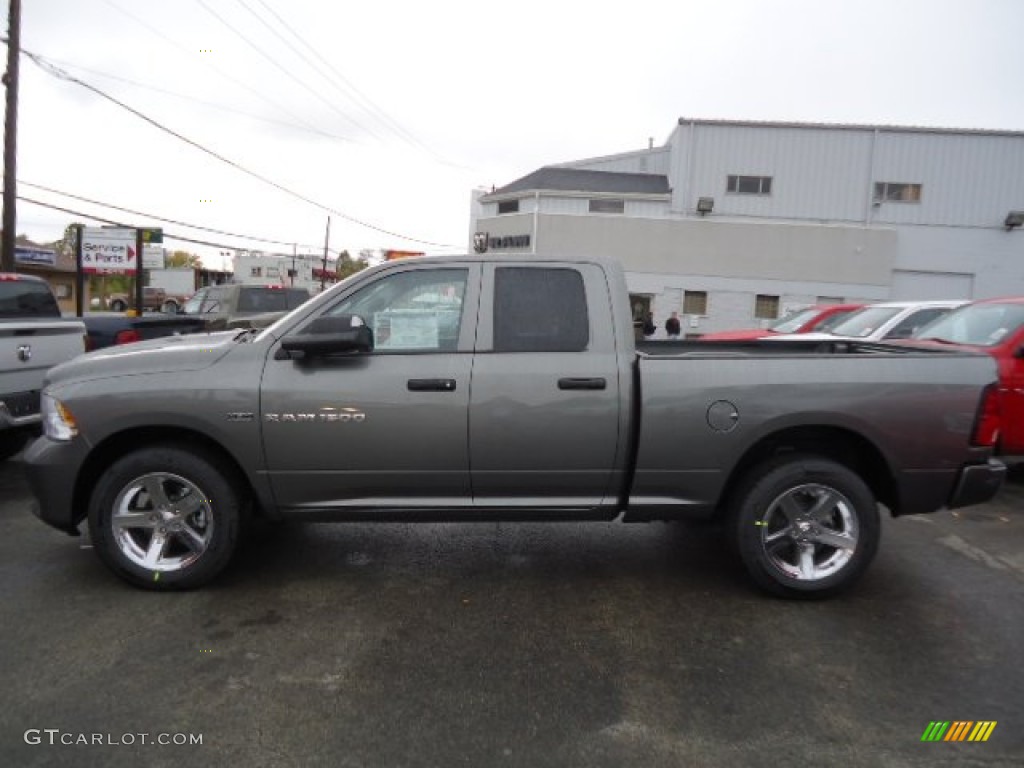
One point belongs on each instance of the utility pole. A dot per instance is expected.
(10, 79)
(292, 273)
(327, 239)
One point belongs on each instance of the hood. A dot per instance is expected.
(167, 353)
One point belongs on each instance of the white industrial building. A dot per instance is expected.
(299, 270)
(733, 223)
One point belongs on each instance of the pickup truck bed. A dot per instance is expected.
(504, 389)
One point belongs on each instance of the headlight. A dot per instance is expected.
(58, 421)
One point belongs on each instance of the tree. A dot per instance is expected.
(182, 259)
(65, 247)
(349, 266)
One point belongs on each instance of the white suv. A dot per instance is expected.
(884, 321)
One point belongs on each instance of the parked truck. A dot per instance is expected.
(505, 389)
(33, 337)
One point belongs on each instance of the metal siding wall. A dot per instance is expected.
(968, 180)
(655, 161)
(817, 174)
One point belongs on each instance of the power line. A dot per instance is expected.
(281, 67)
(101, 220)
(212, 66)
(155, 217)
(205, 103)
(346, 88)
(61, 74)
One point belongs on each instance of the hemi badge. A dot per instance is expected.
(241, 416)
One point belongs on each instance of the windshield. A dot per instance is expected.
(982, 325)
(27, 298)
(865, 322)
(791, 323)
(191, 306)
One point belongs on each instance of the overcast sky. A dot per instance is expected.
(391, 112)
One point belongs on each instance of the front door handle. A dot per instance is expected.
(570, 383)
(431, 385)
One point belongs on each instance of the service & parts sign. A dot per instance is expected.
(107, 251)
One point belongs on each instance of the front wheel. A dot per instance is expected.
(165, 517)
(169, 307)
(118, 306)
(805, 526)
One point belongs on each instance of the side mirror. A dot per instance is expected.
(1019, 354)
(331, 335)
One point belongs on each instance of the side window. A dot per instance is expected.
(906, 327)
(540, 310)
(418, 310)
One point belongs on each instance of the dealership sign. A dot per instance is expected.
(485, 241)
(109, 250)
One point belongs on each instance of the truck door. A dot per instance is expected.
(386, 429)
(1011, 371)
(544, 408)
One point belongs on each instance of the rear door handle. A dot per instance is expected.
(431, 385)
(569, 383)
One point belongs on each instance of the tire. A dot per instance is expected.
(169, 307)
(805, 527)
(118, 306)
(12, 441)
(181, 541)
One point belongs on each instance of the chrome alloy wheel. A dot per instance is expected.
(809, 532)
(162, 522)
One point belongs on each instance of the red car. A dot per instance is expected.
(812, 319)
(995, 326)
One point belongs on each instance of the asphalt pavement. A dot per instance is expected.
(512, 645)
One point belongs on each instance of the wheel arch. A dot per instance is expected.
(840, 444)
(122, 443)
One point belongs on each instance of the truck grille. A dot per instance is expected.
(22, 403)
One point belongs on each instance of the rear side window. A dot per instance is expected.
(264, 299)
(27, 298)
(540, 310)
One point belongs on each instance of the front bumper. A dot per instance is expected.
(977, 484)
(53, 468)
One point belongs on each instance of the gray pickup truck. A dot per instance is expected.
(504, 389)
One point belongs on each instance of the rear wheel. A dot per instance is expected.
(169, 307)
(805, 526)
(165, 517)
(118, 306)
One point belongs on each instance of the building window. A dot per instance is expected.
(273, 272)
(508, 206)
(766, 307)
(607, 205)
(695, 302)
(830, 300)
(256, 272)
(750, 185)
(897, 192)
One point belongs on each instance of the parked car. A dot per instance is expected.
(491, 388)
(995, 326)
(820, 318)
(153, 299)
(109, 329)
(884, 321)
(232, 305)
(33, 338)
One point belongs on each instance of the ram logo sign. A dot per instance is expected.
(325, 414)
